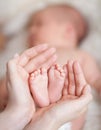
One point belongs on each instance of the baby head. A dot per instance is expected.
(57, 25)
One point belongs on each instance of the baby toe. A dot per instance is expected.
(39, 71)
(36, 73)
(43, 71)
(62, 74)
(32, 74)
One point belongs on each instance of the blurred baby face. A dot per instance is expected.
(59, 26)
(44, 29)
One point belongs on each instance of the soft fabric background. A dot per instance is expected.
(14, 15)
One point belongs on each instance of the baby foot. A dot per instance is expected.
(38, 85)
(56, 83)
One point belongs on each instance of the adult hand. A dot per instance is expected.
(57, 114)
(75, 100)
(20, 107)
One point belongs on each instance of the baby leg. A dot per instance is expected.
(38, 84)
(56, 83)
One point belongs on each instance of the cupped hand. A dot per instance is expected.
(20, 107)
(74, 102)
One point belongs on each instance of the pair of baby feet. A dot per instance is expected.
(48, 86)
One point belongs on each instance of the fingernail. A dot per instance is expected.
(16, 55)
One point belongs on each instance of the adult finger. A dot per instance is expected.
(65, 111)
(65, 89)
(71, 79)
(30, 53)
(40, 60)
(11, 64)
(49, 62)
(79, 78)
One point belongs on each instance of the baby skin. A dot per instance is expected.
(57, 84)
(70, 99)
(39, 87)
(50, 86)
(46, 86)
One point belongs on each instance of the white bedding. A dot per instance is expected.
(16, 15)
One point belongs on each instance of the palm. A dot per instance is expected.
(65, 105)
(73, 103)
(68, 98)
(23, 75)
(19, 82)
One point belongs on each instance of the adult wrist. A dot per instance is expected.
(15, 118)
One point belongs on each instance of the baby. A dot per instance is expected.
(21, 109)
(63, 27)
(48, 86)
